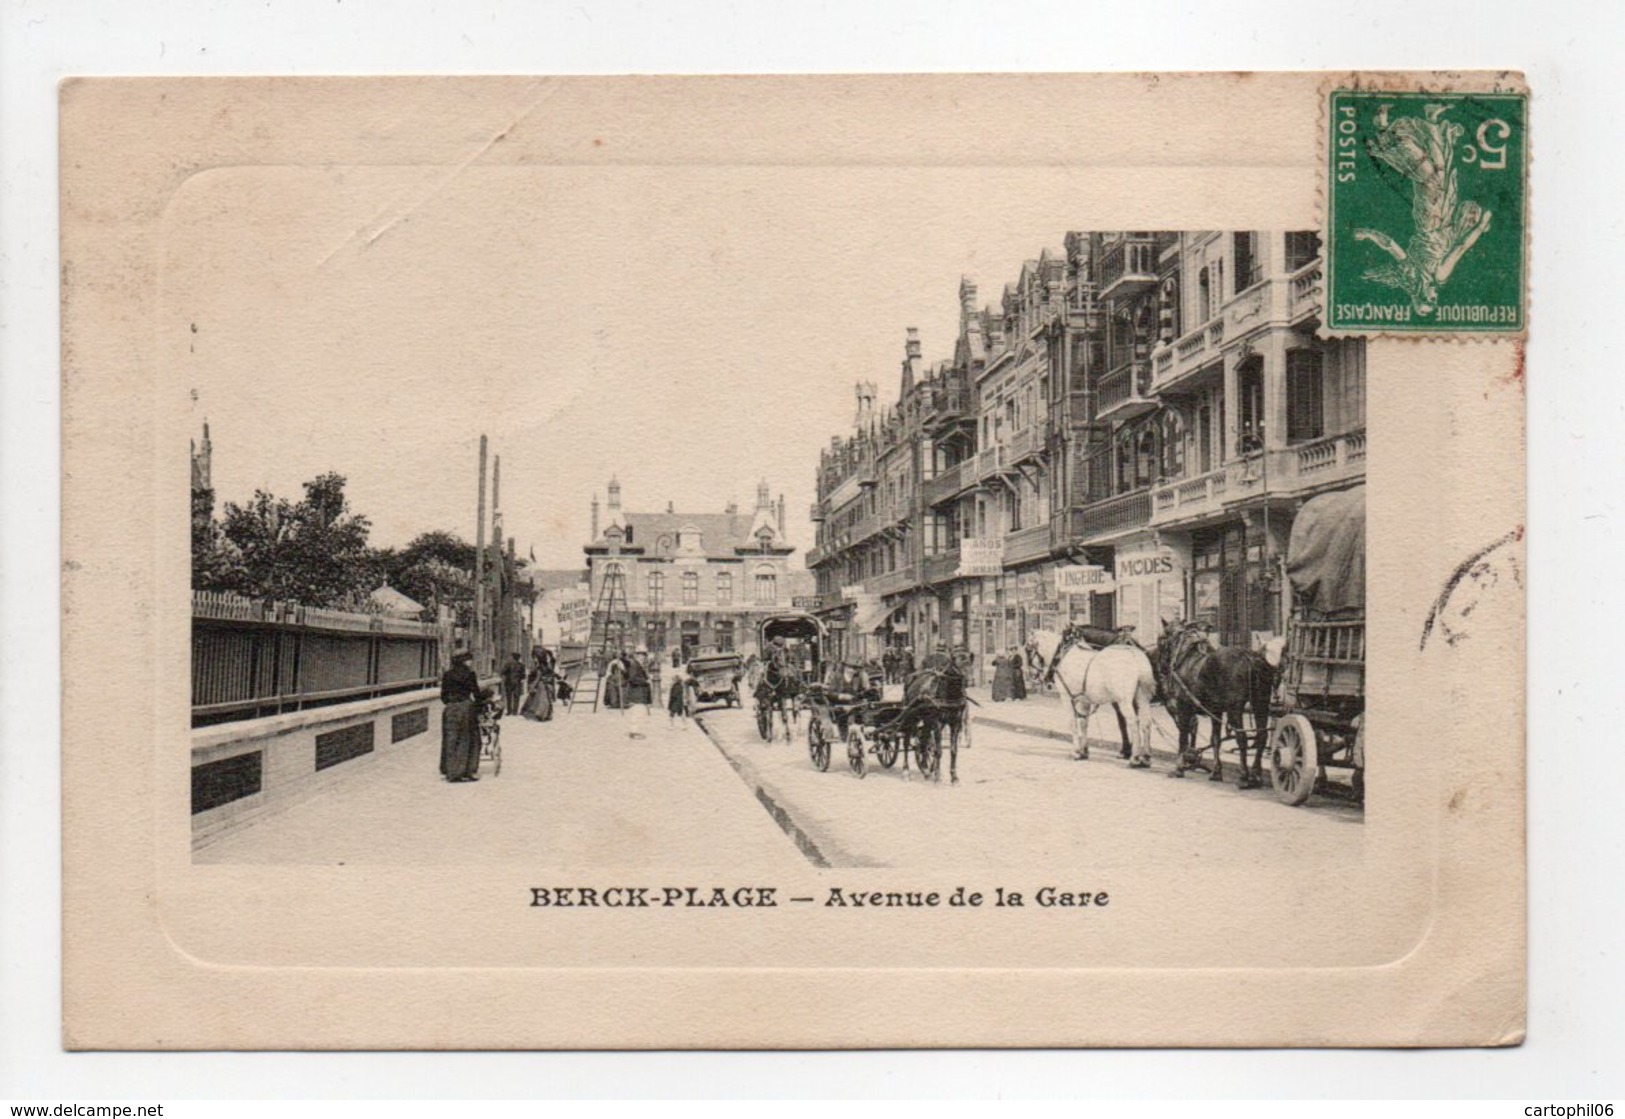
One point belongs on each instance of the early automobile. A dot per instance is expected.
(715, 676)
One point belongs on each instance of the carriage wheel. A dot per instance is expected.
(854, 751)
(886, 750)
(817, 745)
(1294, 759)
(764, 721)
(928, 753)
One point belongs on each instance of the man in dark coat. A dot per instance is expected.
(460, 696)
(513, 683)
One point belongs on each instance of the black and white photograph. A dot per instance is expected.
(1113, 515)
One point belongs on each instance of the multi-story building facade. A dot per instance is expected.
(1154, 405)
(688, 578)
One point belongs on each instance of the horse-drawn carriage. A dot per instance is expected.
(791, 649)
(1320, 708)
(714, 676)
(888, 721)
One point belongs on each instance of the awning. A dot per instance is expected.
(871, 616)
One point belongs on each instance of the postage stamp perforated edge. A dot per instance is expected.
(1415, 84)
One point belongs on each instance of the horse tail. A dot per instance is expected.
(1148, 687)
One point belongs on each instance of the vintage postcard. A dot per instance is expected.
(794, 562)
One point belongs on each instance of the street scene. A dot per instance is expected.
(1096, 571)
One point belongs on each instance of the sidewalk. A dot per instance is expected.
(1040, 714)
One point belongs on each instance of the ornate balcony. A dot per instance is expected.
(816, 512)
(946, 485)
(1125, 392)
(817, 554)
(1191, 353)
(1190, 498)
(1308, 292)
(1112, 516)
(1025, 444)
(940, 569)
(1027, 544)
(989, 461)
(1128, 266)
(947, 405)
(892, 582)
(1335, 459)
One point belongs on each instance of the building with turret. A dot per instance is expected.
(1150, 407)
(688, 579)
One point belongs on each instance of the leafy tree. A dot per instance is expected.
(436, 569)
(313, 551)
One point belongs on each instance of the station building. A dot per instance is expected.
(660, 580)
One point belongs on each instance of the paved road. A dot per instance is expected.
(1021, 801)
(623, 789)
(584, 790)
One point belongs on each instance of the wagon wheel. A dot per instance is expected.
(817, 745)
(764, 721)
(928, 753)
(1294, 759)
(886, 749)
(854, 751)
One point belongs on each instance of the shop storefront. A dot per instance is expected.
(1151, 581)
(1231, 585)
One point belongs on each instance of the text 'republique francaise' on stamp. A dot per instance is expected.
(1425, 216)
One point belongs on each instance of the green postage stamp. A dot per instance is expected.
(1425, 212)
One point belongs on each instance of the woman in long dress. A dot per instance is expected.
(1003, 678)
(639, 687)
(460, 697)
(539, 700)
(615, 684)
(1018, 674)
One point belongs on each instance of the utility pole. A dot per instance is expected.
(476, 632)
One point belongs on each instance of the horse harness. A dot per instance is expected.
(1071, 639)
(1178, 653)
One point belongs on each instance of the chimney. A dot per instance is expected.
(967, 299)
(912, 347)
(764, 503)
(670, 508)
(614, 495)
(595, 516)
(781, 514)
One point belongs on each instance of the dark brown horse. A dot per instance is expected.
(1221, 683)
(934, 700)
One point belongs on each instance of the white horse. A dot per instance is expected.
(1120, 675)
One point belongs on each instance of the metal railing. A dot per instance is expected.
(252, 658)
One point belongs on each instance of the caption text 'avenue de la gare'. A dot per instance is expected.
(836, 897)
